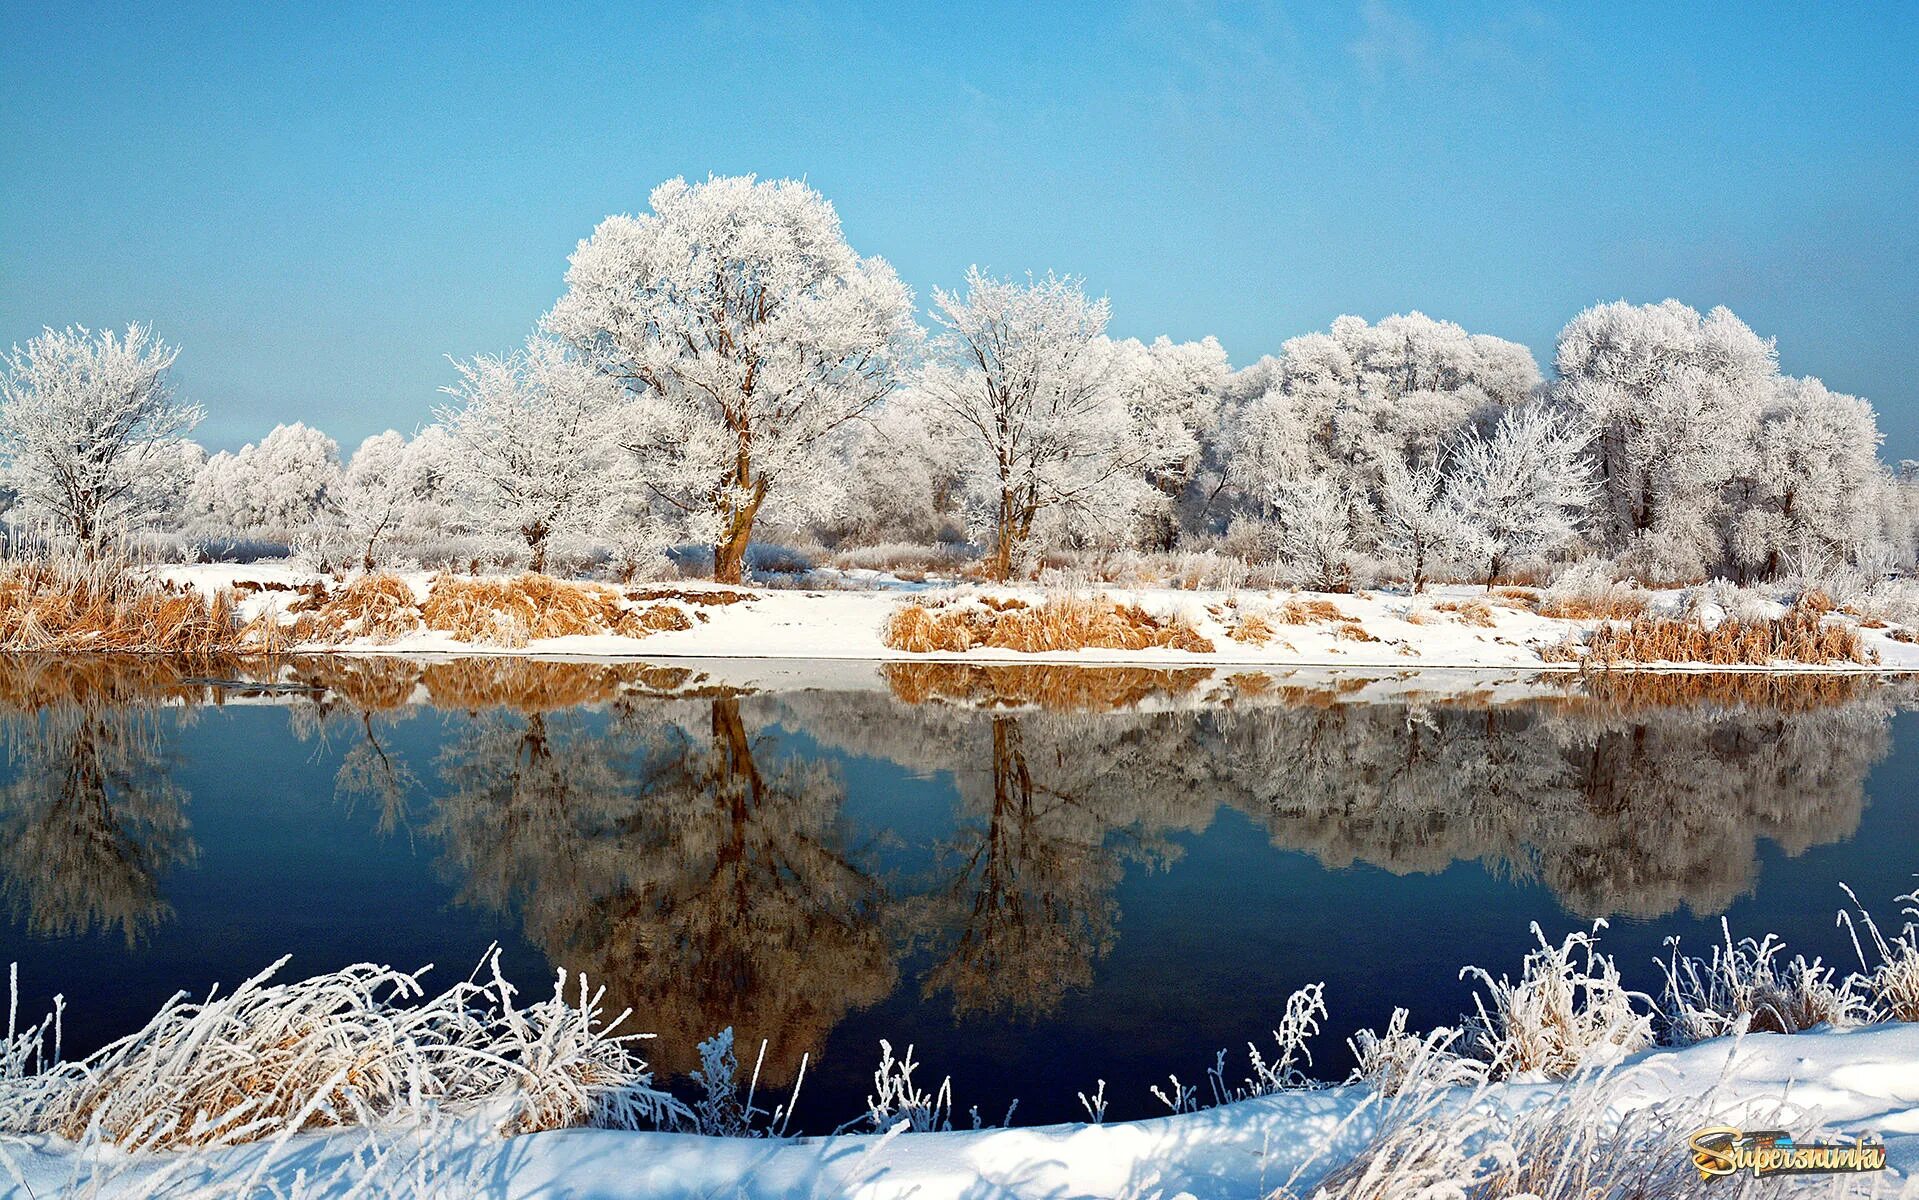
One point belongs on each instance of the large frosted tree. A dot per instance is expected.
(1523, 490)
(532, 441)
(1807, 499)
(1052, 428)
(90, 429)
(1353, 405)
(748, 330)
(1674, 400)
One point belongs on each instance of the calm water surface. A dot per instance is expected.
(1038, 876)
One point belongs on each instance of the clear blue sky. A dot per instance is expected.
(319, 207)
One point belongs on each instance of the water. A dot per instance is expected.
(1039, 877)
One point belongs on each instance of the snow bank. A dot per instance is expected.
(1447, 627)
(1863, 1081)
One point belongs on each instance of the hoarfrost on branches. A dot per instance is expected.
(747, 330)
(90, 429)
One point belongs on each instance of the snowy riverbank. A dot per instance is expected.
(1446, 627)
(1861, 1082)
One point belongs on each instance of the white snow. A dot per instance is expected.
(1859, 1082)
(1406, 632)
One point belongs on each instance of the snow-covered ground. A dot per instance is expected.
(1446, 627)
(1860, 1082)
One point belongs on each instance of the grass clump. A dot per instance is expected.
(378, 606)
(348, 1048)
(1055, 624)
(1803, 634)
(1748, 986)
(63, 606)
(1567, 1010)
(1891, 983)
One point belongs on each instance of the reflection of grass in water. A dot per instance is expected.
(1062, 687)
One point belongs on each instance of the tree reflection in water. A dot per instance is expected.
(684, 846)
(90, 819)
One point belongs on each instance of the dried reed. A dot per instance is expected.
(1802, 635)
(1058, 623)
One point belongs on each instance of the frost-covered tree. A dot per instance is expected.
(1341, 405)
(279, 487)
(1807, 498)
(89, 426)
(392, 489)
(1524, 489)
(1420, 530)
(748, 330)
(1176, 389)
(1052, 427)
(1314, 533)
(1674, 400)
(533, 441)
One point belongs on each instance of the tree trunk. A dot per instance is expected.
(1000, 566)
(729, 553)
(535, 534)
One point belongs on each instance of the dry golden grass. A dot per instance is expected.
(1469, 612)
(378, 607)
(1253, 630)
(1306, 612)
(1352, 631)
(1523, 598)
(1058, 623)
(1620, 605)
(503, 612)
(55, 607)
(1802, 635)
(1052, 686)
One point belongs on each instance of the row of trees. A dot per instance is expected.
(726, 361)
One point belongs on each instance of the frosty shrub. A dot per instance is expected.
(1568, 1010)
(897, 1100)
(352, 1047)
(721, 1111)
(1891, 982)
(1393, 1058)
(1589, 589)
(1745, 986)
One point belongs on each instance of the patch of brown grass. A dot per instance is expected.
(1306, 612)
(1058, 623)
(1052, 686)
(1352, 631)
(1253, 630)
(700, 597)
(58, 607)
(1622, 605)
(1802, 635)
(1469, 612)
(378, 607)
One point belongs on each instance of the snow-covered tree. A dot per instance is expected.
(1358, 405)
(392, 489)
(1806, 501)
(1053, 429)
(1524, 489)
(1175, 389)
(748, 330)
(1315, 533)
(534, 443)
(1674, 400)
(88, 426)
(1420, 530)
(279, 487)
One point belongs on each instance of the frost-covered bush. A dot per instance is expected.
(1748, 985)
(1567, 1010)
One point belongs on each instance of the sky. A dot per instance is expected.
(320, 206)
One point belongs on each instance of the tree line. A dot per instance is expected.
(725, 368)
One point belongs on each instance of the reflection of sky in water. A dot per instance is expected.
(1035, 899)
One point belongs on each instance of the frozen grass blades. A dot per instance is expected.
(1568, 1010)
(348, 1048)
(1750, 986)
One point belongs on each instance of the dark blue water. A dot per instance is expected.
(1036, 897)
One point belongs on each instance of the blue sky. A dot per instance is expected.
(321, 206)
